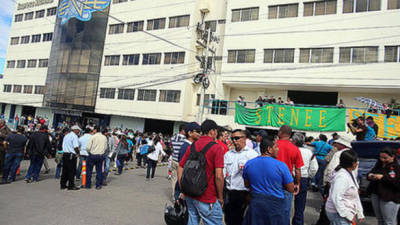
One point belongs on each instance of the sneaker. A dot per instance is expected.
(27, 180)
(47, 171)
(98, 188)
(73, 189)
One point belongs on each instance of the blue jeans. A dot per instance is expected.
(336, 219)
(288, 205)
(11, 164)
(94, 160)
(151, 164)
(58, 170)
(79, 169)
(265, 210)
(318, 179)
(211, 214)
(300, 203)
(107, 161)
(34, 167)
(120, 162)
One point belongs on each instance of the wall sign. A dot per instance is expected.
(80, 9)
(33, 4)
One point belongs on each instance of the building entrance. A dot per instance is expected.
(163, 126)
(313, 97)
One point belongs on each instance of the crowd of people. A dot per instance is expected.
(220, 175)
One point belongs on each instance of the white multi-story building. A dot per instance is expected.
(315, 52)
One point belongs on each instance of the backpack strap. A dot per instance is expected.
(207, 147)
(193, 148)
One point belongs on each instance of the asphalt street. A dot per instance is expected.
(127, 200)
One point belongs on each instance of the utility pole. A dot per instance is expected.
(205, 72)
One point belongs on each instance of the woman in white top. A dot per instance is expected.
(343, 206)
(152, 158)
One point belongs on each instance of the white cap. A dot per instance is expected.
(75, 127)
(344, 141)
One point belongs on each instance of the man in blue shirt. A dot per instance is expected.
(322, 148)
(267, 178)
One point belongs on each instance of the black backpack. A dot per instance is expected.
(194, 179)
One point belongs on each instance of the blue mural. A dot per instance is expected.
(80, 9)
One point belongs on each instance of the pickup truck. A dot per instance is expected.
(368, 154)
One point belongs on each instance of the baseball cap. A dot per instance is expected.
(344, 141)
(192, 126)
(208, 125)
(262, 133)
(75, 127)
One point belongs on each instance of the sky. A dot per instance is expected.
(6, 15)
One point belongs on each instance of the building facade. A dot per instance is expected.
(132, 64)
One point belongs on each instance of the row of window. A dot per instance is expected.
(152, 24)
(363, 54)
(143, 94)
(33, 39)
(147, 59)
(37, 14)
(27, 89)
(30, 63)
(312, 9)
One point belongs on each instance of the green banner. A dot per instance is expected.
(299, 118)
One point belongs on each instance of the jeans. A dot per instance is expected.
(68, 170)
(336, 219)
(94, 160)
(139, 159)
(211, 214)
(318, 179)
(58, 170)
(300, 203)
(79, 169)
(385, 212)
(288, 205)
(106, 161)
(120, 162)
(235, 206)
(34, 167)
(151, 164)
(265, 210)
(11, 164)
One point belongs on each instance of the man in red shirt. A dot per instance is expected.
(291, 156)
(208, 206)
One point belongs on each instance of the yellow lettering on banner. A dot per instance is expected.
(308, 117)
(259, 116)
(295, 117)
(281, 116)
(269, 108)
(322, 118)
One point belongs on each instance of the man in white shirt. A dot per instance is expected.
(234, 161)
(83, 153)
(308, 171)
(71, 151)
(96, 147)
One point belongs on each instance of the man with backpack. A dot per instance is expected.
(201, 179)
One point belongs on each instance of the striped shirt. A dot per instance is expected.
(177, 142)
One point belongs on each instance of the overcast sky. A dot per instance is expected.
(6, 14)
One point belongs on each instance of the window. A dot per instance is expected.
(316, 55)
(7, 88)
(319, 8)
(111, 60)
(11, 64)
(128, 94)
(36, 38)
(39, 14)
(156, 24)
(39, 89)
(174, 58)
(17, 88)
(18, 17)
(29, 16)
(392, 53)
(47, 37)
(358, 54)
(179, 21)
(245, 14)
(32, 63)
(43, 63)
(282, 11)
(241, 56)
(21, 63)
(393, 4)
(14, 40)
(350, 6)
(107, 93)
(131, 59)
(212, 25)
(118, 1)
(151, 58)
(135, 26)
(28, 89)
(52, 11)
(25, 39)
(284, 55)
(116, 29)
(147, 95)
(169, 96)
(207, 98)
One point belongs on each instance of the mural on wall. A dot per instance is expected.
(80, 9)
